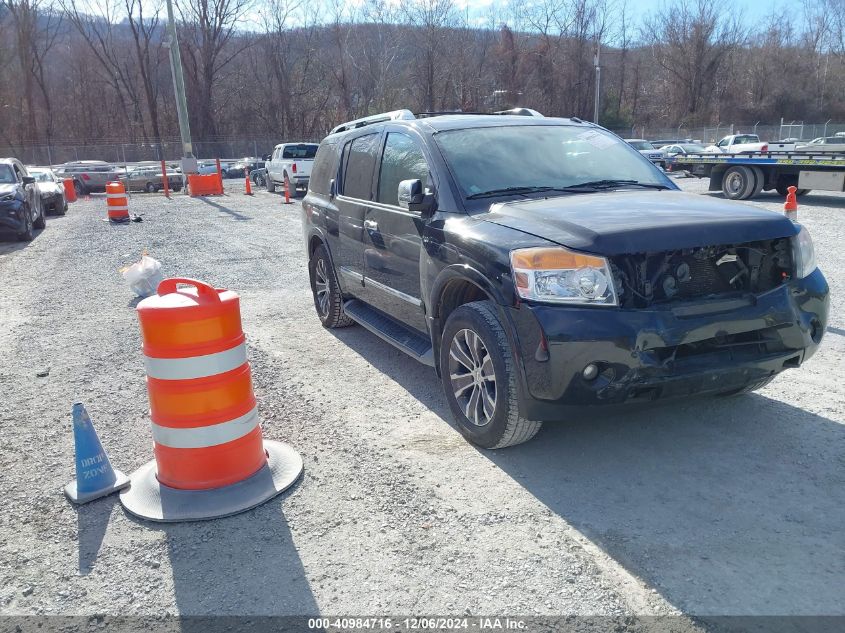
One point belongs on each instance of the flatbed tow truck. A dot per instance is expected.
(745, 175)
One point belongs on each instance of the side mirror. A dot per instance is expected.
(28, 180)
(410, 192)
(414, 198)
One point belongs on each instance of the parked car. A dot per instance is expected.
(683, 149)
(738, 143)
(149, 179)
(240, 168)
(290, 164)
(51, 189)
(647, 149)
(584, 278)
(664, 142)
(824, 144)
(206, 167)
(259, 176)
(20, 203)
(88, 175)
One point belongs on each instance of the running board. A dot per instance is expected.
(413, 344)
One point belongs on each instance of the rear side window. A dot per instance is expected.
(402, 160)
(359, 157)
(324, 168)
(301, 152)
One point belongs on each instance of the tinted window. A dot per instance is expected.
(324, 168)
(640, 144)
(299, 151)
(402, 160)
(359, 157)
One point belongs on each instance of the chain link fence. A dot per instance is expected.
(121, 153)
(711, 134)
(234, 148)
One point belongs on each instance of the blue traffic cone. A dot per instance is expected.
(95, 476)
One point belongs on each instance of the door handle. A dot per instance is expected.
(371, 225)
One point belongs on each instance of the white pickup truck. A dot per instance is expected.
(291, 163)
(737, 143)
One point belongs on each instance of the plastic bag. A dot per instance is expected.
(143, 276)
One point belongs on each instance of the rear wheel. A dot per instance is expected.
(79, 188)
(479, 378)
(738, 183)
(150, 187)
(271, 186)
(327, 296)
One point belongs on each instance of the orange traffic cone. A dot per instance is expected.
(211, 459)
(287, 192)
(790, 207)
(248, 186)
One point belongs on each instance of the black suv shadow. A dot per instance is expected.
(235, 215)
(724, 505)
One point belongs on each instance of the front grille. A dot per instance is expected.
(644, 279)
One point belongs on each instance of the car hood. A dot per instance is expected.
(6, 189)
(49, 187)
(614, 223)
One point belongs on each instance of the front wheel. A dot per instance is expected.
(327, 296)
(271, 186)
(27, 234)
(150, 187)
(479, 378)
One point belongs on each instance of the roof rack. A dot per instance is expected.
(407, 115)
(395, 115)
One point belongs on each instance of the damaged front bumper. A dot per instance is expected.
(673, 350)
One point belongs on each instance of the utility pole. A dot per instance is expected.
(189, 163)
(598, 83)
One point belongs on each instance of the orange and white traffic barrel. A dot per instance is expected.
(210, 457)
(117, 203)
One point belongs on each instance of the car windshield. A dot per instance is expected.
(7, 176)
(485, 159)
(640, 144)
(41, 175)
(693, 149)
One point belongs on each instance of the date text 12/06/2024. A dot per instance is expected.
(417, 624)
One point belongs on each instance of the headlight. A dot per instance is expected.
(8, 197)
(803, 253)
(558, 275)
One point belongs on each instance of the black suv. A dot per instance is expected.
(21, 210)
(543, 266)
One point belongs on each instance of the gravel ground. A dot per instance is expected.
(705, 507)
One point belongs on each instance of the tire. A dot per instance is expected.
(474, 345)
(328, 300)
(738, 183)
(41, 221)
(271, 186)
(63, 209)
(79, 188)
(27, 235)
(259, 181)
(754, 386)
(150, 188)
(759, 181)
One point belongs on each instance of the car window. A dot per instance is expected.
(482, 159)
(402, 160)
(299, 152)
(641, 145)
(7, 176)
(18, 174)
(723, 142)
(359, 157)
(41, 176)
(324, 168)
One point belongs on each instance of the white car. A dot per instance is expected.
(738, 143)
(648, 150)
(291, 164)
(824, 144)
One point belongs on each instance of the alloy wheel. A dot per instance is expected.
(473, 377)
(321, 286)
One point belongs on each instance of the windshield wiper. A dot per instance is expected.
(508, 190)
(610, 184)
